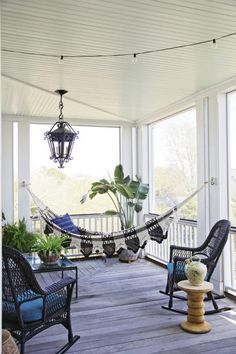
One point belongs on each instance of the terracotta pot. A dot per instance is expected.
(49, 259)
(8, 344)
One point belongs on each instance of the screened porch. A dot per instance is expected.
(152, 87)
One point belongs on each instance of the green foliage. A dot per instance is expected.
(49, 244)
(16, 236)
(126, 195)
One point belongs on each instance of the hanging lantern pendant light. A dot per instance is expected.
(61, 137)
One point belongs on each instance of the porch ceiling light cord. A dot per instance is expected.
(133, 55)
(61, 137)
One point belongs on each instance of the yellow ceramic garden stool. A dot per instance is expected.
(195, 321)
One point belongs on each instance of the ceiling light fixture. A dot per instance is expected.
(125, 54)
(61, 137)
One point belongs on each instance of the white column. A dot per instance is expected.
(143, 164)
(202, 169)
(24, 170)
(7, 171)
(218, 168)
(126, 149)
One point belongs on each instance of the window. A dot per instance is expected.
(173, 163)
(95, 155)
(231, 109)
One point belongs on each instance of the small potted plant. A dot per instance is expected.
(49, 248)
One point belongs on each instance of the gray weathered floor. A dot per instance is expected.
(119, 311)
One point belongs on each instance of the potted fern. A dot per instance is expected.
(16, 235)
(49, 248)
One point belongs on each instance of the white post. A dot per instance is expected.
(24, 170)
(202, 169)
(7, 171)
(143, 164)
(126, 149)
(218, 168)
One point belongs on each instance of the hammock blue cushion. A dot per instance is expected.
(65, 223)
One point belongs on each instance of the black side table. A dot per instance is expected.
(62, 265)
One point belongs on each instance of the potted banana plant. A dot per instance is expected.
(127, 195)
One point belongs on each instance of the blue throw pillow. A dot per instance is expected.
(65, 223)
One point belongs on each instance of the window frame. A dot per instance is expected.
(151, 204)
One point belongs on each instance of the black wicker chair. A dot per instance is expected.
(27, 309)
(209, 252)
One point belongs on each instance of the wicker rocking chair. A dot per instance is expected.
(27, 309)
(209, 251)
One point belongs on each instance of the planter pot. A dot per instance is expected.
(128, 256)
(195, 271)
(8, 344)
(49, 259)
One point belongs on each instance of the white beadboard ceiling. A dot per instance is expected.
(112, 88)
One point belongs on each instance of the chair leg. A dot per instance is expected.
(217, 309)
(68, 345)
(70, 332)
(22, 344)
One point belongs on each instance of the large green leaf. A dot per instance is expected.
(124, 190)
(111, 212)
(105, 181)
(100, 188)
(126, 180)
(92, 195)
(138, 207)
(118, 174)
(144, 188)
(134, 185)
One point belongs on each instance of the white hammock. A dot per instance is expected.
(90, 242)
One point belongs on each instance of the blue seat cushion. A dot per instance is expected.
(32, 310)
(179, 268)
(65, 223)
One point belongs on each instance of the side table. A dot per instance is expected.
(195, 320)
(62, 265)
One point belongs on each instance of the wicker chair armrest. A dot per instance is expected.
(59, 285)
(174, 247)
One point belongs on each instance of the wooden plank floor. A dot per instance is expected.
(119, 311)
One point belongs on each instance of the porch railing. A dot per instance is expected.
(181, 232)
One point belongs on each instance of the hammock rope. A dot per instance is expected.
(134, 238)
